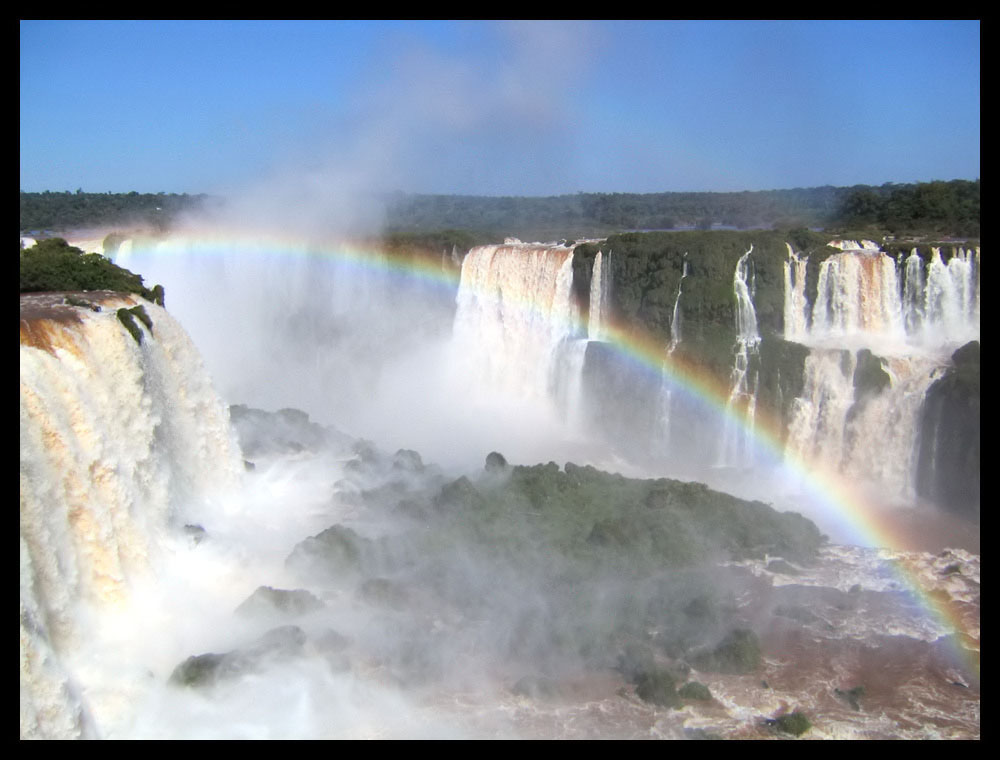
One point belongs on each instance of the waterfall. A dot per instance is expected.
(600, 287)
(914, 289)
(870, 439)
(515, 312)
(951, 305)
(737, 440)
(857, 293)
(864, 296)
(675, 318)
(796, 306)
(122, 443)
(912, 312)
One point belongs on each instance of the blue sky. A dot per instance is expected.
(495, 108)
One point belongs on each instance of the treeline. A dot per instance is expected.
(599, 214)
(945, 208)
(54, 265)
(936, 208)
(66, 211)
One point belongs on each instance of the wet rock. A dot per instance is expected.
(269, 600)
(659, 688)
(795, 723)
(196, 532)
(851, 696)
(635, 661)
(408, 461)
(738, 653)
(335, 553)
(694, 690)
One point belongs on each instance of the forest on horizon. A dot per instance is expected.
(941, 208)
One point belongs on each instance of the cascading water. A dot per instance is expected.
(122, 443)
(796, 305)
(515, 309)
(665, 399)
(737, 438)
(600, 287)
(675, 318)
(857, 293)
(871, 438)
(912, 314)
(865, 296)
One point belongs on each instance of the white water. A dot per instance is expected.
(796, 305)
(676, 332)
(738, 435)
(865, 299)
(157, 600)
(119, 444)
(911, 314)
(600, 288)
(514, 310)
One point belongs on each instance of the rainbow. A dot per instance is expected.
(844, 504)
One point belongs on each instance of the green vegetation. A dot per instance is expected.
(659, 688)
(65, 210)
(646, 269)
(941, 208)
(795, 723)
(694, 690)
(738, 653)
(266, 600)
(54, 265)
(127, 318)
(574, 565)
(438, 222)
(206, 670)
(600, 214)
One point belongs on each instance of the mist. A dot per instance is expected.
(382, 568)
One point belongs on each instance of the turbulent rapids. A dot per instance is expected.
(190, 569)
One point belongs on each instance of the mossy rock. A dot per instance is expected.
(851, 696)
(795, 723)
(140, 313)
(407, 460)
(694, 690)
(336, 552)
(870, 377)
(126, 317)
(266, 599)
(204, 670)
(659, 688)
(636, 661)
(738, 653)
(496, 462)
